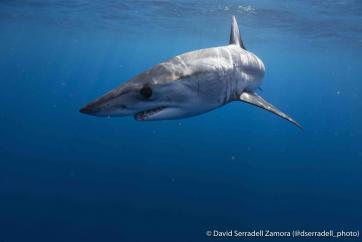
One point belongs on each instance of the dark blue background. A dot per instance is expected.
(70, 177)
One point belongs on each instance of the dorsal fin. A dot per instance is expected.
(235, 38)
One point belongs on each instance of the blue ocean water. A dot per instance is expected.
(65, 176)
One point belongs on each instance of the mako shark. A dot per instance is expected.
(190, 84)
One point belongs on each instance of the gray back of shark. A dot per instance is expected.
(189, 84)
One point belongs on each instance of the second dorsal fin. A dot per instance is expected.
(235, 38)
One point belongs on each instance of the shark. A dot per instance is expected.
(190, 84)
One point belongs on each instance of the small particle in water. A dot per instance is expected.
(54, 106)
(172, 179)
(226, 8)
(72, 173)
(179, 124)
(108, 117)
(233, 158)
(153, 131)
(120, 66)
(338, 92)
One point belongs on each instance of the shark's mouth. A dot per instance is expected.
(144, 115)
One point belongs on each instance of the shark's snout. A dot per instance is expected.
(119, 102)
(99, 106)
(91, 109)
(88, 109)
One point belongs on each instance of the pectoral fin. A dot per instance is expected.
(253, 98)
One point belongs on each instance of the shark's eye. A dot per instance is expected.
(146, 92)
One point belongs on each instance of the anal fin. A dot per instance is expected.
(254, 99)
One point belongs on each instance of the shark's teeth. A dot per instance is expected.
(147, 113)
